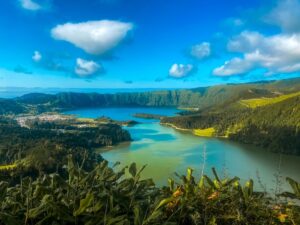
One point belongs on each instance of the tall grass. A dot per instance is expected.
(258, 102)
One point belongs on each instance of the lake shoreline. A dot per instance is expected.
(166, 149)
(195, 132)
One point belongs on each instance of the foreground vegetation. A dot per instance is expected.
(103, 195)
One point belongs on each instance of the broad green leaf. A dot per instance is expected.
(231, 181)
(295, 186)
(171, 184)
(216, 175)
(201, 182)
(210, 182)
(137, 215)
(132, 169)
(164, 202)
(249, 186)
(189, 174)
(84, 204)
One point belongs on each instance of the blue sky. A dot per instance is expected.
(147, 43)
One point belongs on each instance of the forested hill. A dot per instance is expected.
(201, 98)
(262, 113)
(274, 124)
(8, 106)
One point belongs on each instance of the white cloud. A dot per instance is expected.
(94, 37)
(85, 68)
(30, 5)
(181, 70)
(201, 51)
(286, 15)
(245, 42)
(277, 54)
(233, 67)
(37, 56)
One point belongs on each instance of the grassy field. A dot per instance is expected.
(86, 120)
(8, 167)
(257, 102)
(209, 132)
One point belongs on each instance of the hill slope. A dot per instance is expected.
(257, 102)
(262, 113)
(275, 126)
(201, 98)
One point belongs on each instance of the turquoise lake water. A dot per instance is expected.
(166, 151)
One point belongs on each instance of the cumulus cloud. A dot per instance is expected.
(201, 51)
(37, 56)
(181, 70)
(285, 15)
(277, 54)
(235, 66)
(94, 37)
(30, 5)
(85, 68)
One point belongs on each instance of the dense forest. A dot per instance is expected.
(274, 126)
(43, 145)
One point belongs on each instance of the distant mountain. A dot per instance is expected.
(14, 92)
(202, 98)
(36, 98)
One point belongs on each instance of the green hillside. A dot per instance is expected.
(258, 102)
(262, 113)
(275, 126)
(272, 126)
(8, 106)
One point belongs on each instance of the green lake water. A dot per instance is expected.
(166, 151)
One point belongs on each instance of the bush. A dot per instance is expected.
(106, 196)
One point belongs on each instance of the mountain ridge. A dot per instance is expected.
(204, 97)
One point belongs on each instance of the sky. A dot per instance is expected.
(147, 43)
